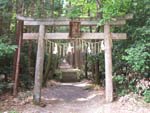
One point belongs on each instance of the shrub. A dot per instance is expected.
(122, 84)
(146, 95)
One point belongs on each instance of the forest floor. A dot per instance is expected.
(79, 97)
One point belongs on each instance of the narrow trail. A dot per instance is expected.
(69, 98)
(80, 97)
(77, 98)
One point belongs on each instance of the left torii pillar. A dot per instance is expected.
(39, 66)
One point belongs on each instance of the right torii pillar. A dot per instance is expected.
(108, 55)
(108, 64)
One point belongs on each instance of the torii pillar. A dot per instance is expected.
(39, 65)
(108, 64)
(107, 36)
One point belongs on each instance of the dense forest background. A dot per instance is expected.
(131, 57)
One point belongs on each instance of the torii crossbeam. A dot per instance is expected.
(107, 36)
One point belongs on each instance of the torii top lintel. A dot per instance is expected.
(65, 21)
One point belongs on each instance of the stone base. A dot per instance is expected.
(70, 77)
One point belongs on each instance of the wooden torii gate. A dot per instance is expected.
(107, 36)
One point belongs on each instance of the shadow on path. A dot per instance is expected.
(69, 98)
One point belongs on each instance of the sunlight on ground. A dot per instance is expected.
(52, 99)
(80, 84)
(88, 98)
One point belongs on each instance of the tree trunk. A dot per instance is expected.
(99, 14)
(18, 53)
(79, 54)
(54, 66)
(9, 23)
(76, 54)
(86, 67)
(97, 75)
(93, 70)
(1, 23)
(30, 44)
(47, 70)
(16, 41)
(89, 14)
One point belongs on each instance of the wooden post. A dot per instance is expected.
(17, 56)
(76, 53)
(62, 50)
(75, 29)
(39, 66)
(108, 64)
(97, 77)
(86, 63)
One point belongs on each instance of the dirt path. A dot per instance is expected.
(69, 98)
(75, 98)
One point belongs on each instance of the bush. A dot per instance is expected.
(6, 48)
(146, 95)
(122, 85)
(26, 81)
(5, 86)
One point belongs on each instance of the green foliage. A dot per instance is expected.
(138, 56)
(146, 95)
(12, 112)
(123, 85)
(113, 8)
(4, 4)
(80, 8)
(26, 81)
(42, 8)
(131, 57)
(4, 86)
(92, 58)
(6, 55)
(6, 49)
(74, 12)
(120, 84)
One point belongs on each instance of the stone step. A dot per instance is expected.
(70, 76)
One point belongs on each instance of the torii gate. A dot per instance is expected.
(107, 36)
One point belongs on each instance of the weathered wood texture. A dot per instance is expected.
(39, 65)
(65, 36)
(76, 53)
(17, 55)
(86, 64)
(108, 64)
(65, 22)
(107, 36)
(74, 29)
